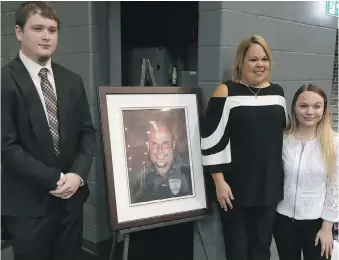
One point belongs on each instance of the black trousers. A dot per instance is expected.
(57, 236)
(295, 236)
(248, 232)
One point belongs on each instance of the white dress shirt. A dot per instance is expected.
(309, 191)
(33, 69)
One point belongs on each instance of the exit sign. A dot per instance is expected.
(332, 8)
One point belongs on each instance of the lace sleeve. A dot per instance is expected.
(331, 206)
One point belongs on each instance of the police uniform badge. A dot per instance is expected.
(175, 185)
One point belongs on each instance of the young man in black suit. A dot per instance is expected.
(47, 145)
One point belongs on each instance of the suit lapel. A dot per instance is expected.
(34, 106)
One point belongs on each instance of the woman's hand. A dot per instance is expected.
(326, 239)
(224, 194)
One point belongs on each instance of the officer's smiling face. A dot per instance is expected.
(161, 149)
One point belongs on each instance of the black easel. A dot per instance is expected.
(125, 233)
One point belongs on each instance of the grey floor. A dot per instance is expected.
(7, 253)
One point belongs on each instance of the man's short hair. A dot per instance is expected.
(27, 9)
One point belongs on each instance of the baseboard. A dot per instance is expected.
(99, 250)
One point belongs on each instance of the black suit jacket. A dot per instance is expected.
(30, 169)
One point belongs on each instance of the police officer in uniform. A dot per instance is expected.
(168, 177)
(177, 183)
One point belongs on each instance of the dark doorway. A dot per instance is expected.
(169, 25)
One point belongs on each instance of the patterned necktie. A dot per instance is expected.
(51, 107)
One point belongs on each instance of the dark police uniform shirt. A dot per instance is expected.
(177, 183)
(242, 137)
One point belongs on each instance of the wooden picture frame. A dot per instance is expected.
(151, 144)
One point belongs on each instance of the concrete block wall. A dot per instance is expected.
(83, 48)
(300, 34)
(302, 39)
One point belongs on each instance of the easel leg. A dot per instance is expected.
(201, 239)
(114, 243)
(126, 245)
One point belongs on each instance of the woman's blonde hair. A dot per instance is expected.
(241, 53)
(325, 132)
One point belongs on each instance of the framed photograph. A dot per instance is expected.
(151, 143)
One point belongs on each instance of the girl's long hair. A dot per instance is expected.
(325, 131)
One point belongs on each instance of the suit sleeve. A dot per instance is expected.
(87, 143)
(215, 143)
(14, 158)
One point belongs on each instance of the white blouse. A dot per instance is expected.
(309, 192)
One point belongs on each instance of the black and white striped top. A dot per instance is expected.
(242, 137)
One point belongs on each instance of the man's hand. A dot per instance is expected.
(67, 186)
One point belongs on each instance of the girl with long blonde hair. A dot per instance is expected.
(310, 156)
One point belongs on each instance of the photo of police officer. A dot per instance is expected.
(160, 139)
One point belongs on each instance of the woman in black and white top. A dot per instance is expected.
(242, 135)
(310, 154)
